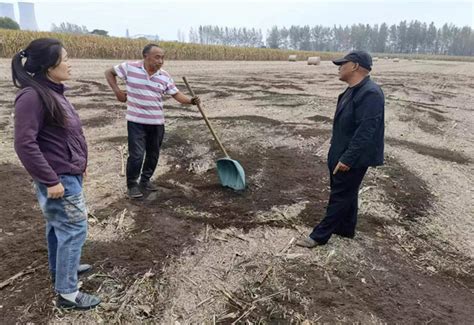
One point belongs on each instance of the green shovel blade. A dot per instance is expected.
(231, 174)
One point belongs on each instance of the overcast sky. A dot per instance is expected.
(165, 18)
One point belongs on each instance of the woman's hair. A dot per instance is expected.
(41, 54)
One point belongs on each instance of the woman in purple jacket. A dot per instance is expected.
(51, 145)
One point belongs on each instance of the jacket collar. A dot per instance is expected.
(361, 83)
(58, 88)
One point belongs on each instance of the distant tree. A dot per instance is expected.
(193, 36)
(216, 35)
(201, 35)
(393, 38)
(341, 39)
(415, 37)
(284, 36)
(181, 36)
(445, 38)
(257, 38)
(273, 38)
(382, 37)
(305, 38)
(100, 32)
(69, 28)
(404, 37)
(318, 38)
(294, 36)
(8, 23)
(431, 46)
(373, 36)
(359, 37)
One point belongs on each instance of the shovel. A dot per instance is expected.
(231, 174)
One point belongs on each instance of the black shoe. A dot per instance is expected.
(148, 187)
(83, 301)
(134, 192)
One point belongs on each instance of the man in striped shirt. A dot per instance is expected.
(146, 85)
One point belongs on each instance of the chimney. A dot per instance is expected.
(27, 16)
(6, 10)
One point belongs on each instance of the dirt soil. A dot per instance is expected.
(195, 252)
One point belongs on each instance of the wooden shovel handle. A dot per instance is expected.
(205, 118)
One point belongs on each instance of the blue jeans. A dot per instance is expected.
(66, 230)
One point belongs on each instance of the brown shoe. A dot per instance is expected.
(307, 242)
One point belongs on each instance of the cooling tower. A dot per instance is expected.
(27, 16)
(6, 10)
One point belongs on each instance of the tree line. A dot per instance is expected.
(215, 35)
(405, 37)
(69, 28)
(65, 27)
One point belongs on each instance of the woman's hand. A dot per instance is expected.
(56, 191)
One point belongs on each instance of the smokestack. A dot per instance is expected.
(6, 10)
(27, 16)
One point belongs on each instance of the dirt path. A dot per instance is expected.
(196, 253)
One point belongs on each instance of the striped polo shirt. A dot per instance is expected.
(145, 93)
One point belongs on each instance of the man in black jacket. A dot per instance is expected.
(357, 143)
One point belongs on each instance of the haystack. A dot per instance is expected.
(314, 60)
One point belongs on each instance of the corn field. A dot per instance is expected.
(99, 47)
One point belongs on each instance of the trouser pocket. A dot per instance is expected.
(75, 207)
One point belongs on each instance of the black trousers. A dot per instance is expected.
(341, 212)
(144, 142)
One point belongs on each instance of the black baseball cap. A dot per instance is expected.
(362, 57)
